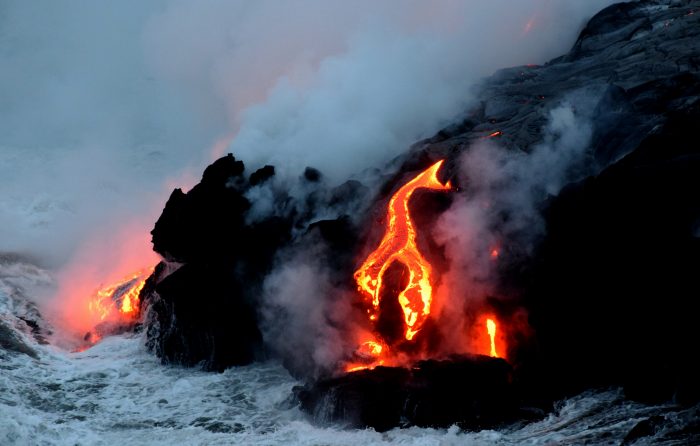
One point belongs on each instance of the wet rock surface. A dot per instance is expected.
(474, 392)
(199, 315)
(21, 323)
(10, 341)
(645, 428)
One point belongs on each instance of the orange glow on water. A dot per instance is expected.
(400, 244)
(101, 259)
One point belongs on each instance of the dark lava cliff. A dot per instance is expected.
(610, 283)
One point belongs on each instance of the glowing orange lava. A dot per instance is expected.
(368, 355)
(399, 243)
(130, 301)
(372, 348)
(121, 298)
(491, 329)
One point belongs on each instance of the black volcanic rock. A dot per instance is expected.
(616, 23)
(607, 55)
(202, 318)
(261, 175)
(202, 301)
(222, 171)
(474, 392)
(204, 224)
(645, 428)
(616, 277)
(205, 312)
(340, 235)
(10, 341)
(312, 175)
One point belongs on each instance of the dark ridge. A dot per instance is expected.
(261, 175)
(312, 175)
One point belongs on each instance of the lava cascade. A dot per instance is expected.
(400, 244)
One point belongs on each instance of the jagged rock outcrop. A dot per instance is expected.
(203, 301)
(205, 311)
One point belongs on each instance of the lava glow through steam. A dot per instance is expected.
(399, 244)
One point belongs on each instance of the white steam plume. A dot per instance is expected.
(498, 212)
(100, 103)
(104, 108)
(397, 77)
(306, 320)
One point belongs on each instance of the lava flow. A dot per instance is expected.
(367, 356)
(399, 244)
(491, 329)
(120, 300)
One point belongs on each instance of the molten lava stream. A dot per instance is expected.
(491, 329)
(490, 339)
(399, 244)
(119, 300)
(367, 356)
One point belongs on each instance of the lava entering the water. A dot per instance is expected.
(120, 300)
(399, 244)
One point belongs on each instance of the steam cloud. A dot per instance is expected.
(308, 319)
(105, 108)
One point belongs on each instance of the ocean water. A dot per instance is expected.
(118, 393)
